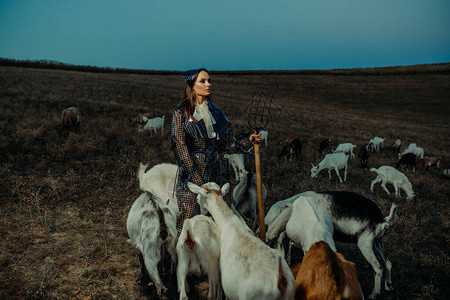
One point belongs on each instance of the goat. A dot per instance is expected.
(264, 134)
(346, 147)
(287, 152)
(387, 174)
(244, 274)
(309, 223)
(160, 181)
(376, 144)
(245, 197)
(412, 148)
(324, 145)
(409, 159)
(333, 161)
(237, 162)
(151, 226)
(294, 145)
(356, 219)
(325, 274)
(363, 156)
(430, 161)
(139, 119)
(396, 145)
(198, 251)
(154, 124)
(70, 119)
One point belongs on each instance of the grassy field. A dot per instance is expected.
(65, 197)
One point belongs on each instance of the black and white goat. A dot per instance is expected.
(356, 219)
(151, 226)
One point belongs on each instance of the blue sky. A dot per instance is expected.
(227, 34)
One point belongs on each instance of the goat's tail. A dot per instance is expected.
(388, 221)
(141, 173)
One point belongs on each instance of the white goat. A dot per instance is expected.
(390, 174)
(151, 226)
(412, 148)
(345, 148)
(376, 144)
(198, 251)
(249, 268)
(154, 124)
(309, 223)
(245, 196)
(237, 162)
(264, 134)
(333, 161)
(160, 181)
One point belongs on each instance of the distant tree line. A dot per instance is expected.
(442, 68)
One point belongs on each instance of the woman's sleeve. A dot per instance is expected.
(181, 151)
(239, 143)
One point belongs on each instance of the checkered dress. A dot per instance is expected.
(200, 159)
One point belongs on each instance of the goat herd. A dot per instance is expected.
(241, 266)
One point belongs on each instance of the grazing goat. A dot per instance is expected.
(264, 134)
(333, 161)
(245, 197)
(154, 124)
(309, 223)
(324, 145)
(151, 226)
(70, 119)
(396, 145)
(375, 144)
(408, 160)
(412, 148)
(356, 219)
(326, 275)
(363, 156)
(429, 161)
(198, 251)
(387, 174)
(294, 145)
(345, 148)
(160, 181)
(249, 268)
(287, 152)
(237, 162)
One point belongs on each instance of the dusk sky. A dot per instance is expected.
(227, 35)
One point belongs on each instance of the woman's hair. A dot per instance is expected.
(189, 94)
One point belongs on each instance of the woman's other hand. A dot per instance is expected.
(255, 138)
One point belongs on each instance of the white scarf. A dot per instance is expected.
(202, 113)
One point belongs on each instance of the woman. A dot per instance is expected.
(201, 134)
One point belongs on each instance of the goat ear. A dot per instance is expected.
(225, 188)
(196, 189)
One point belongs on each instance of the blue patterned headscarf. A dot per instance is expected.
(189, 76)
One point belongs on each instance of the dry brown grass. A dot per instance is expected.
(65, 197)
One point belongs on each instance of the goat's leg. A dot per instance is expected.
(379, 247)
(182, 270)
(345, 172)
(143, 278)
(337, 172)
(329, 174)
(383, 185)
(396, 191)
(376, 180)
(366, 244)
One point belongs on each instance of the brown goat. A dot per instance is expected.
(70, 119)
(325, 274)
(141, 119)
(429, 161)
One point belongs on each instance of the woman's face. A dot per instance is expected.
(202, 85)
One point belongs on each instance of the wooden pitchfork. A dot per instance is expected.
(258, 118)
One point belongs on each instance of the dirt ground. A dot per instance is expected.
(65, 197)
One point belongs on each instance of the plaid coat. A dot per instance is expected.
(197, 154)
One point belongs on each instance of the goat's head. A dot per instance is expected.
(314, 170)
(206, 191)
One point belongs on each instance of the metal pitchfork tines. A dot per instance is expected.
(259, 110)
(258, 118)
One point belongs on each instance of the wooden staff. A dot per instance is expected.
(262, 227)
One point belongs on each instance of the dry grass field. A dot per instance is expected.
(65, 197)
